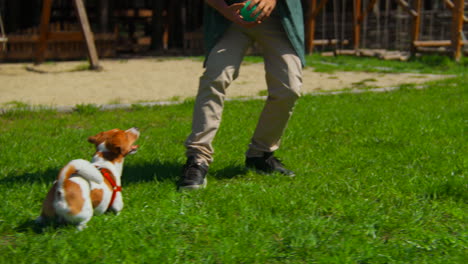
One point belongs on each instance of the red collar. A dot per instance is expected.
(115, 188)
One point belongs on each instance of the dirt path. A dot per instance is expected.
(149, 80)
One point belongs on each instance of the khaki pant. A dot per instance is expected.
(283, 76)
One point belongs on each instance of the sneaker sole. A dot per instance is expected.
(194, 187)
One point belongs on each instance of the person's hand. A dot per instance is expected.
(264, 8)
(231, 12)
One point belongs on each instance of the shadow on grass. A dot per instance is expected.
(39, 228)
(29, 225)
(229, 172)
(158, 171)
(47, 176)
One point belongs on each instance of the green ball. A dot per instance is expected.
(245, 13)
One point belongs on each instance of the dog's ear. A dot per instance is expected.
(96, 140)
(92, 139)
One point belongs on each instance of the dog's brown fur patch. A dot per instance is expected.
(73, 196)
(96, 197)
(48, 210)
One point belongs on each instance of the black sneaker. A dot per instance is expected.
(268, 164)
(193, 175)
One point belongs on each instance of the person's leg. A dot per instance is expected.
(222, 67)
(284, 80)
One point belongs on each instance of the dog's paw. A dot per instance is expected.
(81, 227)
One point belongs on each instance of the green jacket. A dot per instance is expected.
(290, 11)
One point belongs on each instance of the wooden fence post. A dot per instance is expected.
(104, 15)
(310, 31)
(457, 27)
(357, 24)
(417, 4)
(88, 35)
(43, 31)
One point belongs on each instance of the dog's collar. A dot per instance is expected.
(106, 173)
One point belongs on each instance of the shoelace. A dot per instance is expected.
(192, 170)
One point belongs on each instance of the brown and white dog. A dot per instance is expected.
(84, 188)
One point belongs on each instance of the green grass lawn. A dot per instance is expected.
(381, 178)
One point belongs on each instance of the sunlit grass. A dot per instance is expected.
(380, 178)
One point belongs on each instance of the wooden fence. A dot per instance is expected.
(175, 27)
(413, 26)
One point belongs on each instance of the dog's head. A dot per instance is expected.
(115, 143)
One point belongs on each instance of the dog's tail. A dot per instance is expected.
(80, 167)
(58, 205)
